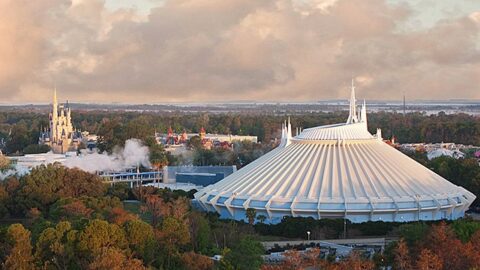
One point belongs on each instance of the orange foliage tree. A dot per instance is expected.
(443, 243)
(402, 256)
(194, 261)
(427, 260)
(20, 256)
(115, 259)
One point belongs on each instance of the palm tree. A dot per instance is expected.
(261, 218)
(251, 213)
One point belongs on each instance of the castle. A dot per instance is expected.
(60, 136)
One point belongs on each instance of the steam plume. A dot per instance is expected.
(133, 154)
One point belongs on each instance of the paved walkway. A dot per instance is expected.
(381, 242)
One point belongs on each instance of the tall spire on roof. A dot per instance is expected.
(289, 129)
(283, 138)
(286, 133)
(363, 112)
(352, 117)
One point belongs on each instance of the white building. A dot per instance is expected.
(336, 171)
(27, 162)
(229, 138)
(445, 152)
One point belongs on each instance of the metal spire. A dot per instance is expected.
(363, 112)
(352, 117)
(289, 129)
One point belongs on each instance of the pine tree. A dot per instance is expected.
(429, 261)
(20, 256)
(402, 257)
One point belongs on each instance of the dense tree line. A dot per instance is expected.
(20, 129)
(70, 219)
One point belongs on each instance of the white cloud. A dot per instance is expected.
(211, 50)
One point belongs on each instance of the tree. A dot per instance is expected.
(355, 262)
(195, 142)
(119, 190)
(224, 263)
(4, 197)
(166, 207)
(19, 138)
(57, 246)
(115, 259)
(293, 260)
(261, 218)
(200, 232)
(464, 229)
(76, 183)
(475, 240)
(172, 236)
(474, 249)
(77, 209)
(251, 213)
(110, 134)
(246, 254)
(98, 235)
(20, 256)
(402, 257)
(414, 232)
(4, 162)
(194, 261)
(441, 240)
(427, 260)
(120, 216)
(174, 233)
(178, 208)
(312, 256)
(141, 239)
(138, 128)
(46, 184)
(36, 149)
(156, 206)
(158, 155)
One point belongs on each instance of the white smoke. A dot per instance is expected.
(134, 154)
(17, 171)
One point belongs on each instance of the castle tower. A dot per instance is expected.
(60, 136)
(202, 133)
(55, 104)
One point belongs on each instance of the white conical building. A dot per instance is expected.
(336, 171)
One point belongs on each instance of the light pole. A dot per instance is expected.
(308, 235)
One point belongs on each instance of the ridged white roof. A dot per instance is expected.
(337, 171)
(329, 171)
(356, 131)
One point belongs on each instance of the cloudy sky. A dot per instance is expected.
(146, 51)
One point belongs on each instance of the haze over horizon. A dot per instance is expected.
(193, 51)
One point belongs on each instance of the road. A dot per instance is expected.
(381, 242)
